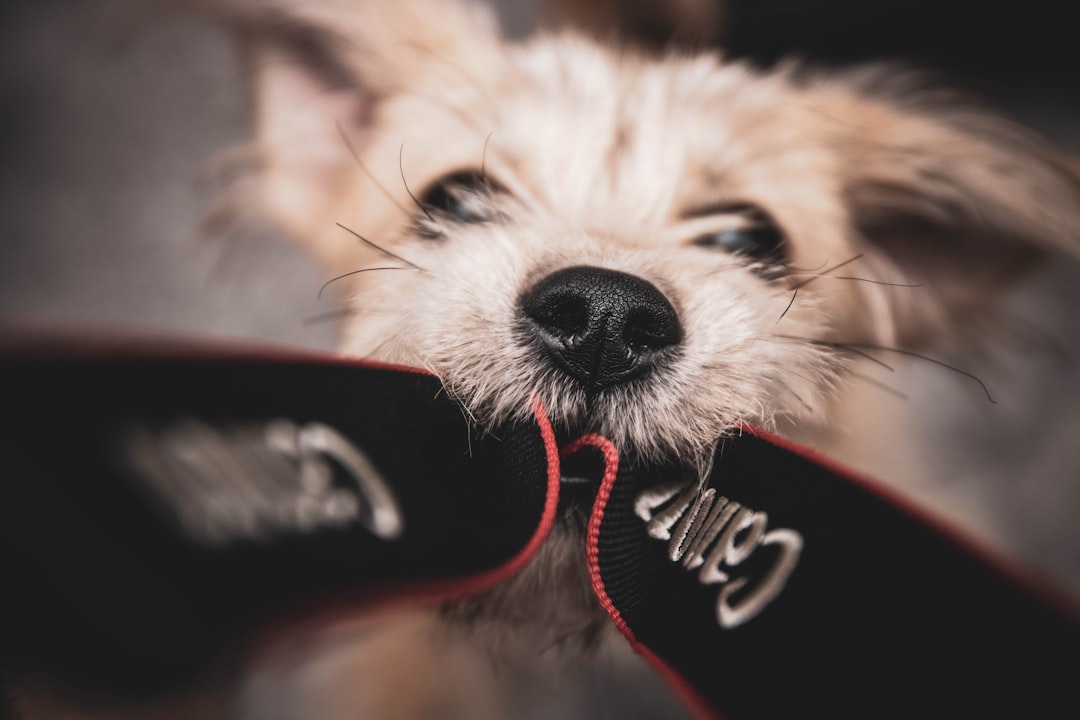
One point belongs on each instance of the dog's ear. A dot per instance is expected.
(943, 193)
(321, 70)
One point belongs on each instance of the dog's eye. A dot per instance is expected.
(741, 229)
(462, 197)
(757, 242)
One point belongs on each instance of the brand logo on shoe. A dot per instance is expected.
(256, 481)
(718, 537)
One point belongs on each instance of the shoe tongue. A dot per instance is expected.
(161, 502)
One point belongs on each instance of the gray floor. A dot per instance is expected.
(109, 118)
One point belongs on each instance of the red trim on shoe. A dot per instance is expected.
(690, 696)
(547, 519)
(592, 533)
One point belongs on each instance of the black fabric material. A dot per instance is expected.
(883, 616)
(101, 585)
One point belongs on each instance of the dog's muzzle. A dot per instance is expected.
(601, 327)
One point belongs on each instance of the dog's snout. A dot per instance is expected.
(600, 326)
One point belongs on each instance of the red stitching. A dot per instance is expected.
(592, 534)
(696, 702)
(547, 519)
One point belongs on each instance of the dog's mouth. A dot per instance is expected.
(581, 476)
(585, 462)
(577, 468)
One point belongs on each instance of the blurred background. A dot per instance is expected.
(113, 113)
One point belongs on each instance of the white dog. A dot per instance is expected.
(771, 230)
(660, 247)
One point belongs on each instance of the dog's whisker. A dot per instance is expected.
(869, 379)
(934, 361)
(825, 272)
(797, 270)
(862, 348)
(522, 191)
(861, 353)
(791, 302)
(865, 280)
(357, 272)
(367, 171)
(380, 248)
(404, 182)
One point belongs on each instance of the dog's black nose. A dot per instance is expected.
(601, 327)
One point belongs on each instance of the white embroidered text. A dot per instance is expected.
(254, 481)
(715, 536)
